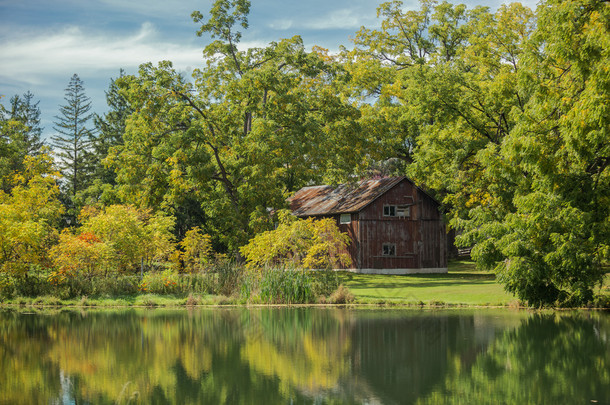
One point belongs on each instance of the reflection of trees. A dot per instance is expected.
(130, 357)
(285, 355)
(305, 349)
(549, 359)
(26, 377)
(402, 359)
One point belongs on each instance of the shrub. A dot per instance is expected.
(341, 295)
(308, 243)
(134, 235)
(84, 254)
(165, 282)
(196, 251)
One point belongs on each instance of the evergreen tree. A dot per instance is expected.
(110, 129)
(24, 110)
(74, 140)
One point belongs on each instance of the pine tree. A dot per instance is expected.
(24, 110)
(74, 140)
(110, 129)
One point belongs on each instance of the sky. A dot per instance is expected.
(44, 42)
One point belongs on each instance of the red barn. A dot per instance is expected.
(394, 226)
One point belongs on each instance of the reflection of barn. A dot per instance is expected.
(394, 226)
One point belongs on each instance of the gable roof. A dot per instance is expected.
(346, 198)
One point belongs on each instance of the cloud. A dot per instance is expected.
(32, 58)
(341, 19)
(281, 24)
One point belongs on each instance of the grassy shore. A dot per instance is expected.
(463, 286)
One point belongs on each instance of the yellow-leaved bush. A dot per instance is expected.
(84, 254)
(28, 214)
(117, 238)
(196, 250)
(309, 243)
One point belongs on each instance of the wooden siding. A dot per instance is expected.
(352, 229)
(420, 239)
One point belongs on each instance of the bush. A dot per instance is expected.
(24, 285)
(133, 234)
(341, 296)
(310, 243)
(196, 251)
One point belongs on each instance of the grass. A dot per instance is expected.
(140, 300)
(462, 285)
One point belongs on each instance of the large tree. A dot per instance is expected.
(73, 142)
(255, 125)
(26, 111)
(511, 130)
(19, 136)
(110, 129)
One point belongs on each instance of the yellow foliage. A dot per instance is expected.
(196, 250)
(310, 243)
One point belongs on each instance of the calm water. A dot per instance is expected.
(304, 355)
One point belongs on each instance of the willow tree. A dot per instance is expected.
(253, 125)
(510, 129)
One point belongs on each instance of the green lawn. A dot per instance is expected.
(463, 284)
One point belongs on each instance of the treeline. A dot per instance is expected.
(503, 115)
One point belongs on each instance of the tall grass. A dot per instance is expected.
(223, 278)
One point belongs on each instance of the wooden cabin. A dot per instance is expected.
(394, 226)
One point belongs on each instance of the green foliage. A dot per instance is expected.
(134, 235)
(27, 112)
(279, 286)
(310, 243)
(110, 129)
(252, 127)
(196, 251)
(28, 215)
(511, 118)
(73, 141)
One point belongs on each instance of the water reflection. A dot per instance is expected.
(304, 355)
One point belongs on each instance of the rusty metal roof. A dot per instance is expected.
(326, 200)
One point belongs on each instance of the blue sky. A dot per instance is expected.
(44, 42)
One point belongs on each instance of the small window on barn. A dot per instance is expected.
(389, 210)
(389, 249)
(403, 211)
(345, 218)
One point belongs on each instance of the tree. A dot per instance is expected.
(253, 126)
(134, 236)
(110, 130)
(74, 140)
(505, 104)
(19, 136)
(28, 215)
(11, 150)
(26, 111)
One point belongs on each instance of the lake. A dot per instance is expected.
(304, 356)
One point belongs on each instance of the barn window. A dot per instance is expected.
(389, 210)
(389, 249)
(403, 211)
(345, 218)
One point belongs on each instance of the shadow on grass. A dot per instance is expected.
(365, 281)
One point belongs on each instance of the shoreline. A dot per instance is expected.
(176, 304)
